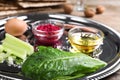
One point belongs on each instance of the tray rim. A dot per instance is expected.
(115, 67)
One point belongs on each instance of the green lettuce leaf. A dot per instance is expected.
(53, 64)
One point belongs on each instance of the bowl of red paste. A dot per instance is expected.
(47, 32)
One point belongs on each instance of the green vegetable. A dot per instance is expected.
(13, 41)
(53, 64)
(1, 48)
(15, 50)
(2, 57)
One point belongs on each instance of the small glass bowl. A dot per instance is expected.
(47, 35)
(85, 39)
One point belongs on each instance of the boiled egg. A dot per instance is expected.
(16, 27)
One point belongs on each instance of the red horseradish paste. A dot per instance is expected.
(47, 34)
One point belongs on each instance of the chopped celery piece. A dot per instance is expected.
(1, 48)
(19, 52)
(14, 50)
(10, 60)
(15, 53)
(19, 43)
(2, 57)
(18, 61)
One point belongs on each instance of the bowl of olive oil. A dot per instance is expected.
(85, 39)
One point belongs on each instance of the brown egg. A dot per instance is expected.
(100, 9)
(68, 8)
(16, 27)
(89, 12)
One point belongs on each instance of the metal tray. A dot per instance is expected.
(111, 46)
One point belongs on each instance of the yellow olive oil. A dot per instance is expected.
(85, 42)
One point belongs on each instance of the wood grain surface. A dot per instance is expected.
(110, 17)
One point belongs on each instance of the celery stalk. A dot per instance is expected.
(19, 43)
(10, 60)
(17, 51)
(12, 47)
(2, 57)
(1, 48)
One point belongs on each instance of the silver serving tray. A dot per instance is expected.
(111, 46)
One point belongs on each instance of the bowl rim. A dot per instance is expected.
(50, 21)
(95, 31)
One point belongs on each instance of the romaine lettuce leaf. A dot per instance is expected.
(53, 64)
